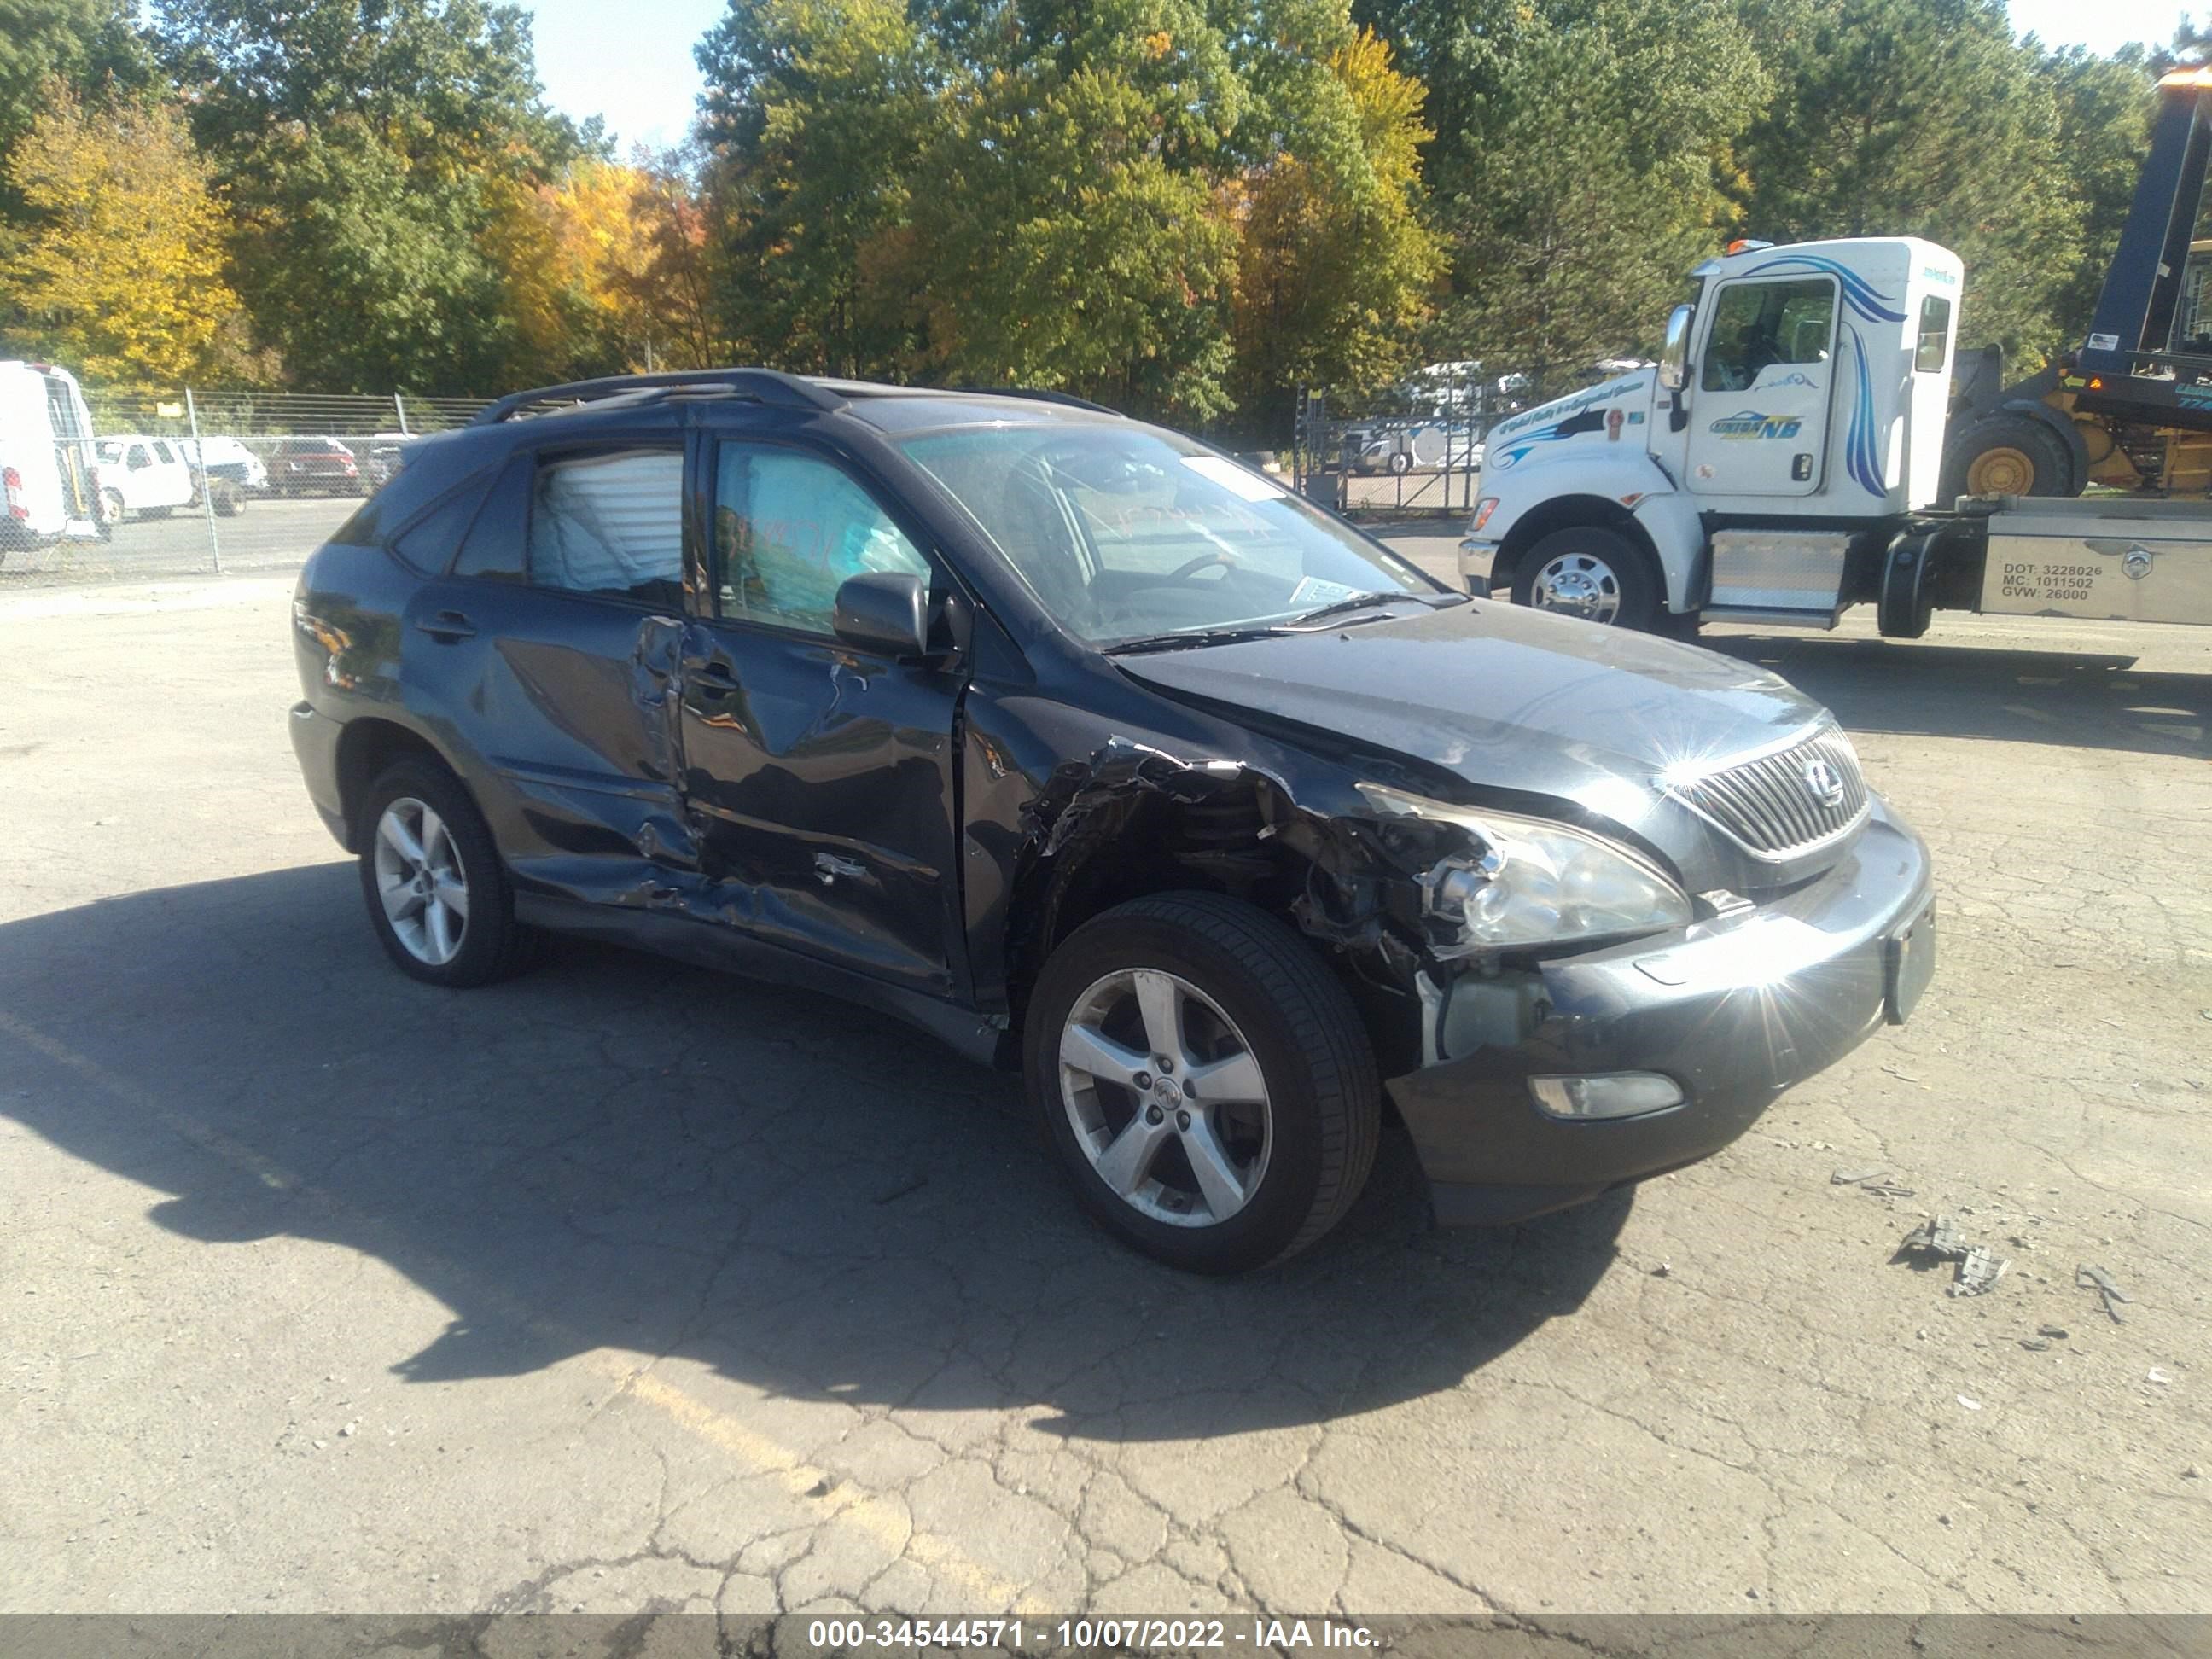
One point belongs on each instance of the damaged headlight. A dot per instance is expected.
(1528, 881)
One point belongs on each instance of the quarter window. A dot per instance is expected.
(1759, 324)
(788, 529)
(1935, 336)
(610, 524)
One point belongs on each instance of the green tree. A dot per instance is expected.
(371, 149)
(1577, 170)
(2104, 126)
(1335, 266)
(1922, 118)
(815, 114)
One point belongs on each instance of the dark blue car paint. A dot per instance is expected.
(967, 803)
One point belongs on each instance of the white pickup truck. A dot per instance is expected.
(1782, 462)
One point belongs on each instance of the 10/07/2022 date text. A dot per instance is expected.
(1122, 1634)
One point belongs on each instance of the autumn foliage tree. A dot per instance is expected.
(122, 272)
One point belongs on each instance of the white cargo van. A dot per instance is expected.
(49, 479)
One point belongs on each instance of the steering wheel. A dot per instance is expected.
(1190, 568)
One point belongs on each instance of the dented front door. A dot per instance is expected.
(817, 778)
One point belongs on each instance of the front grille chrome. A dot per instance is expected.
(1784, 805)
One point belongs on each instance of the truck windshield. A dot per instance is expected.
(1126, 532)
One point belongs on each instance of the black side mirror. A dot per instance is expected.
(885, 612)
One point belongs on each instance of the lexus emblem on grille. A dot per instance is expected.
(1824, 783)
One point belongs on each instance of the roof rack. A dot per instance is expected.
(767, 385)
(1039, 394)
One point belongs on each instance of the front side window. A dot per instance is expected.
(789, 528)
(1756, 325)
(161, 453)
(610, 524)
(1124, 531)
(1935, 336)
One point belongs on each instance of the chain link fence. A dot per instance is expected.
(122, 486)
(1417, 449)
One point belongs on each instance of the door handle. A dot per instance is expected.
(448, 626)
(714, 675)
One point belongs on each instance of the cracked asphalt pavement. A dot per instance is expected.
(625, 1284)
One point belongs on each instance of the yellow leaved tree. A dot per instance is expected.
(121, 278)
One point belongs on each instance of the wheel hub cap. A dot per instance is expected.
(1189, 1149)
(1579, 585)
(420, 881)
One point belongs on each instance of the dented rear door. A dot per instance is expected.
(546, 655)
(817, 778)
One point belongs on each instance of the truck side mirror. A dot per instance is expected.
(1674, 354)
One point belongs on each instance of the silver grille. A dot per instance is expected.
(1780, 805)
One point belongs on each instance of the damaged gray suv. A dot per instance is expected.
(1093, 753)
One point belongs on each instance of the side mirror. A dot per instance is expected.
(1674, 354)
(885, 612)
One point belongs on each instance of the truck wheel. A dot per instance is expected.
(1401, 462)
(110, 513)
(1588, 571)
(2007, 455)
(1207, 1083)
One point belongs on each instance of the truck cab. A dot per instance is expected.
(1759, 470)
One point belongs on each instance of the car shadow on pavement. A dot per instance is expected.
(615, 1151)
(1980, 691)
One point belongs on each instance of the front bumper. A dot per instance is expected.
(1476, 559)
(1734, 1011)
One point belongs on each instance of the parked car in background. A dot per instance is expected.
(232, 470)
(49, 470)
(316, 466)
(1098, 754)
(143, 477)
(380, 457)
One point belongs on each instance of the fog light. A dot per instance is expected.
(1613, 1094)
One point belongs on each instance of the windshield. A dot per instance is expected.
(1125, 532)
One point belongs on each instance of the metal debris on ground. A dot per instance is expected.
(2058, 1331)
(1938, 1236)
(1885, 1189)
(1971, 1405)
(1852, 1178)
(2096, 1278)
(1979, 1269)
(2158, 1377)
(2033, 1344)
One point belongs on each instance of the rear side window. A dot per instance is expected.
(428, 543)
(1935, 336)
(494, 549)
(610, 524)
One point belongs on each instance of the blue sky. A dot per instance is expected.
(630, 60)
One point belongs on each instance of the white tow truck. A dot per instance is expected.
(1783, 461)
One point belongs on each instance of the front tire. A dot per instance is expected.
(1258, 1132)
(1592, 573)
(438, 895)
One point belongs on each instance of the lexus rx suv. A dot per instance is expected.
(1094, 754)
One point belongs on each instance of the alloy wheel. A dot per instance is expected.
(421, 881)
(1166, 1097)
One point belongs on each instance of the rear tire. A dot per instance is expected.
(1588, 571)
(1250, 995)
(2009, 455)
(421, 837)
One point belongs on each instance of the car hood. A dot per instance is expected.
(1517, 701)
